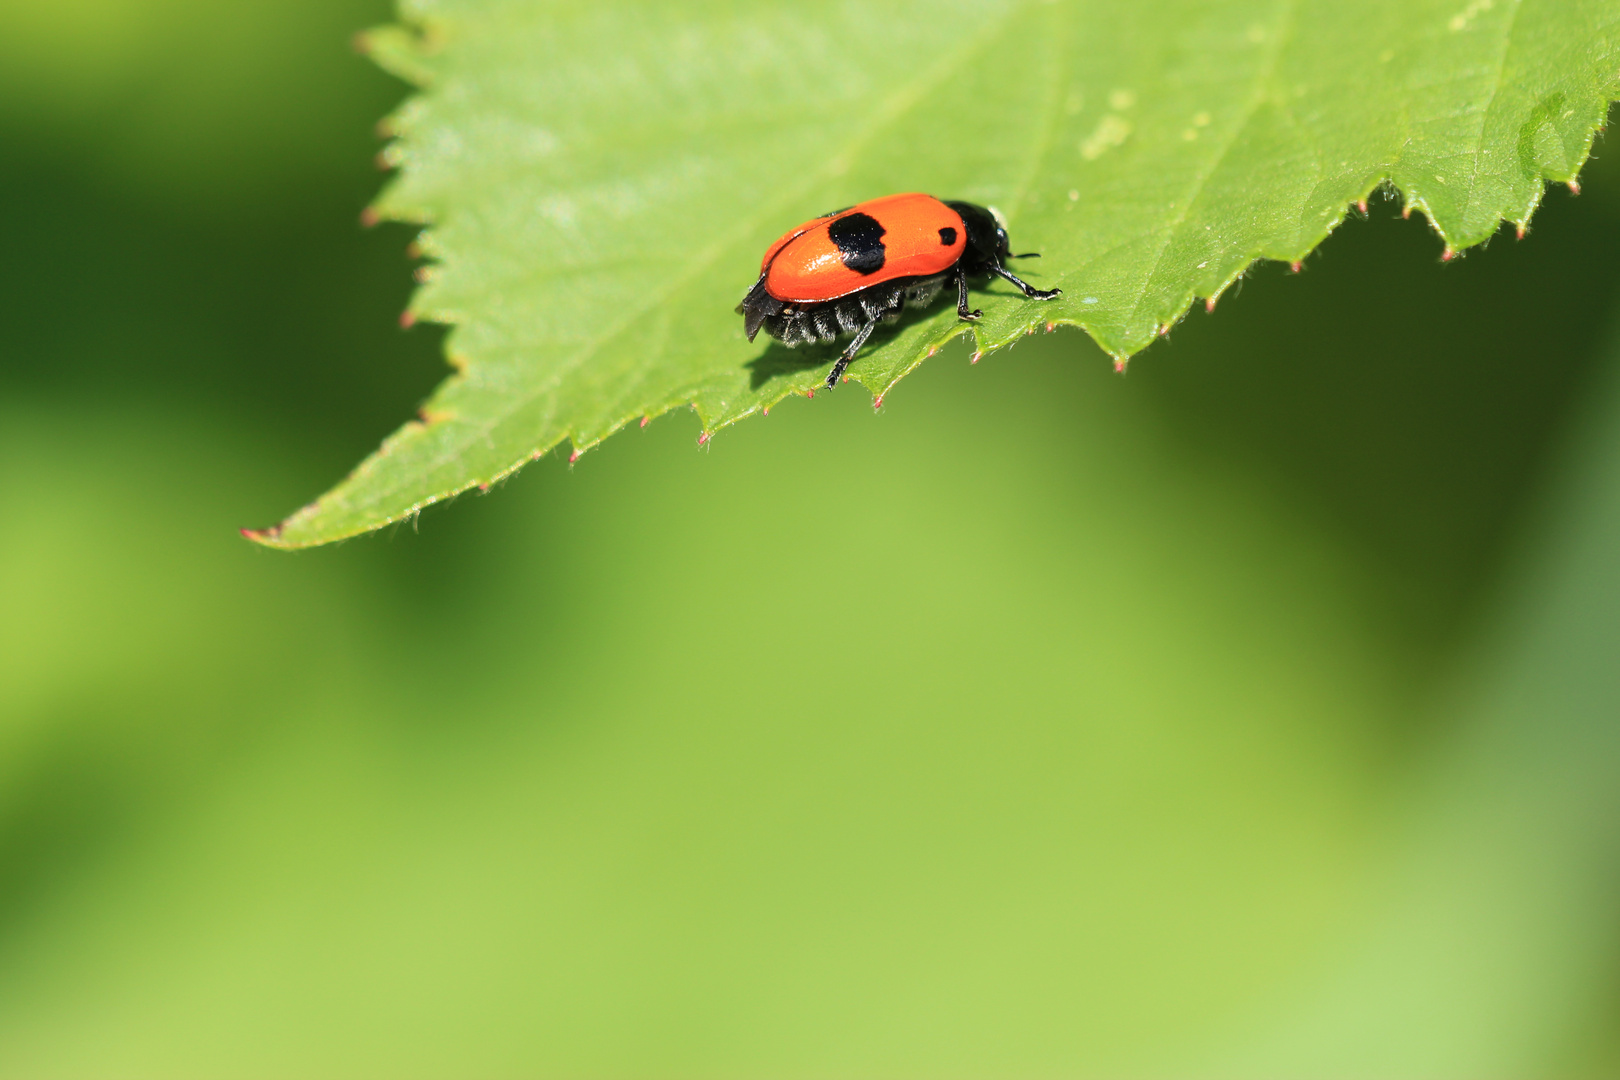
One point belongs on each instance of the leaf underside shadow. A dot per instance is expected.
(601, 181)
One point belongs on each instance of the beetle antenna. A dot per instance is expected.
(1025, 255)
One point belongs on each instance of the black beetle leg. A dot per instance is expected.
(962, 311)
(849, 354)
(1029, 290)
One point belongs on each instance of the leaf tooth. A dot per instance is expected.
(263, 536)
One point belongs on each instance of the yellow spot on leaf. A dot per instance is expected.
(1468, 14)
(1111, 132)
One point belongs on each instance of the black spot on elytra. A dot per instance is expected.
(947, 236)
(860, 242)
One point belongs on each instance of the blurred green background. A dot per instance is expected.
(1253, 713)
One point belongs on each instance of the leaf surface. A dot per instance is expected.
(601, 179)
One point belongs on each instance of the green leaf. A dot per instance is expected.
(601, 179)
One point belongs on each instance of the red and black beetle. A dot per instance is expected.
(845, 272)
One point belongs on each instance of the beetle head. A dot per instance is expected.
(987, 242)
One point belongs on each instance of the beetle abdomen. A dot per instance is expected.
(806, 324)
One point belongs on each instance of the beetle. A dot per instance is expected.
(845, 272)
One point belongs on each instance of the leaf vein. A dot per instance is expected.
(1263, 77)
